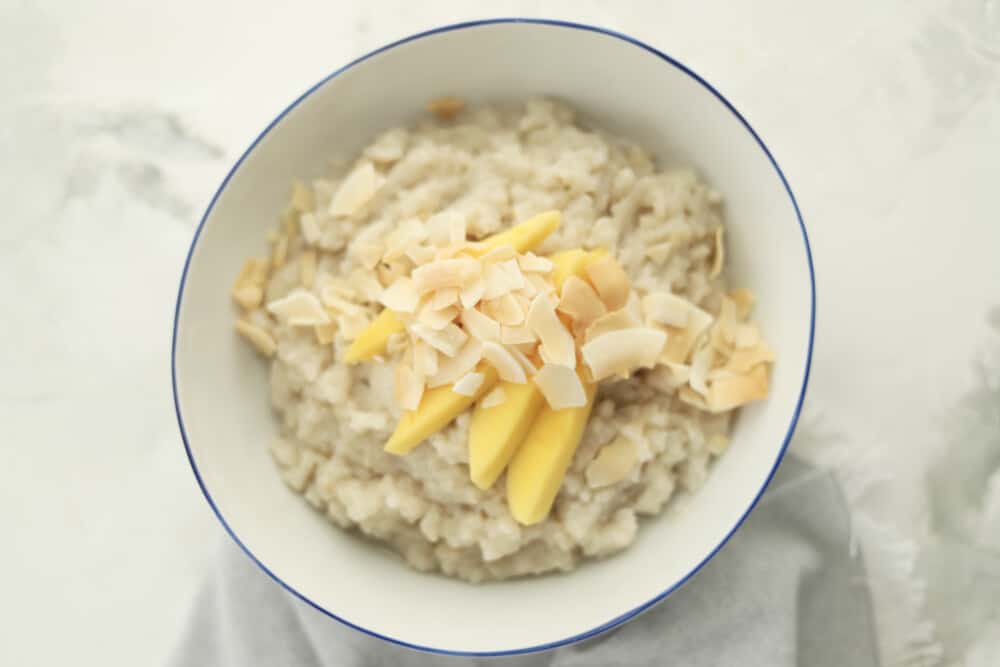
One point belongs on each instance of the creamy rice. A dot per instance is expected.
(495, 166)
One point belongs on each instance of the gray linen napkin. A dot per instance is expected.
(784, 591)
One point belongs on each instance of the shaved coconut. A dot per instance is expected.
(456, 230)
(680, 372)
(743, 359)
(526, 363)
(744, 300)
(480, 326)
(682, 341)
(580, 302)
(497, 282)
(613, 321)
(532, 263)
(419, 254)
(539, 284)
(469, 384)
(506, 310)
(720, 253)
(623, 351)
(446, 107)
(610, 281)
(437, 319)
(557, 341)
(472, 293)
(724, 332)
(401, 296)
(425, 359)
(666, 308)
(311, 230)
(456, 272)
(693, 398)
(561, 387)
(613, 463)
(356, 190)
(508, 368)
(729, 393)
(747, 335)
(262, 341)
(325, 333)
(517, 335)
(448, 340)
(500, 254)
(299, 309)
(450, 369)
(443, 298)
(409, 387)
(513, 270)
(493, 399)
(701, 363)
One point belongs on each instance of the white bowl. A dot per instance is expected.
(220, 388)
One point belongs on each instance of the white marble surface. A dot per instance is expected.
(120, 118)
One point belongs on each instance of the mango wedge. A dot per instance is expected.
(495, 433)
(373, 340)
(437, 409)
(523, 237)
(573, 263)
(536, 472)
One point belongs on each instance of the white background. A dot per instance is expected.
(119, 119)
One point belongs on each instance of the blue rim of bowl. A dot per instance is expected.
(618, 620)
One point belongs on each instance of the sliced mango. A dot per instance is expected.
(374, 338)
(536, 472)
(438, 407)
(573, 263)
(495, 433)
(523, 237)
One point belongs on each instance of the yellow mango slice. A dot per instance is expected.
(438, 407)
(536, 472)
(495, 433)
(573, 263)
(523, 237)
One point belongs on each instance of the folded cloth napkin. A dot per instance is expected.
(785, 590)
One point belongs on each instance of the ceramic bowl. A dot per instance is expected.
(220, 386)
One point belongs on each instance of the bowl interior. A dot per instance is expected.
(221, 387)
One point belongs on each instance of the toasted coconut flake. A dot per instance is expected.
(610, 281)
(425, 359)
(497, 282)
(743, 359)
(332, 299)
(437, 319)
(356, 190)
(526, 363)
(692, 398)
(262, 341)
(506, 310)
(448, 340)
(744, 300)
(307, 268)
(613, 321)
(561, 386)
(419, 254)
(409, 387)
(472, 294)
(442, 298)
(446, 107)
(682, 341)
(719, 257)
(311, 230)
(508, 367)
(580, 302)
(517, 335)
(681, 373)
(701, 363)
(299, 309)
(726, 394)
(501, 253)
(557, 342)
(613, 463)
(302, 198)
(622, 351)
(450, 369)
(455, 272)
(469, 384)
(480, 326)
(515, 279)
(539, 284)
(401, 296)
(493, 399)
(747, 335)
(666, 308)
(325, 333)
(532, 263)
